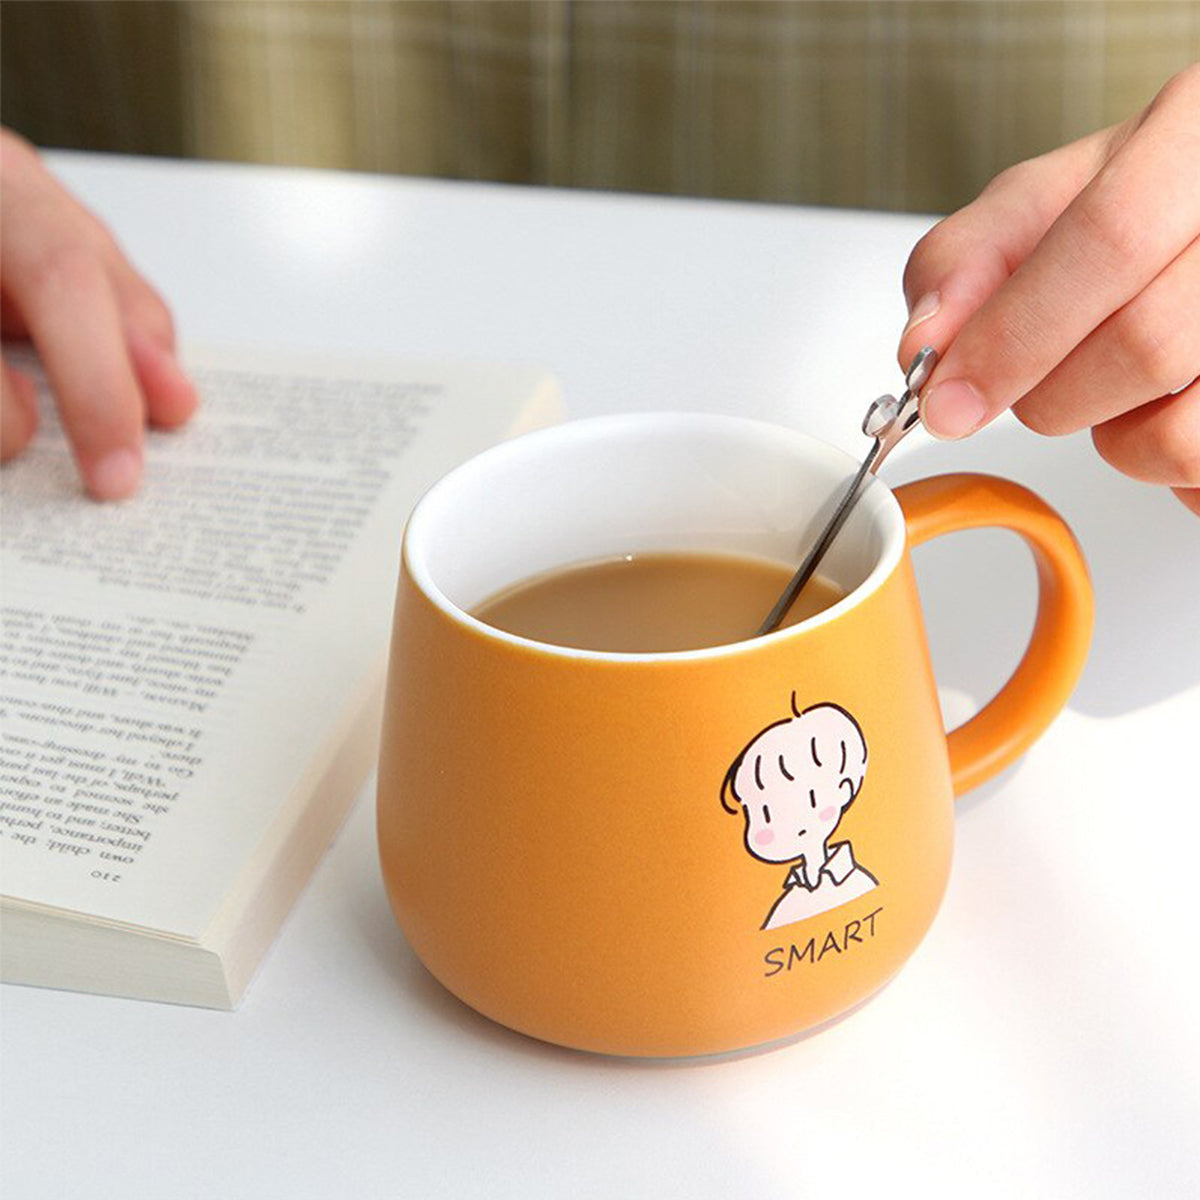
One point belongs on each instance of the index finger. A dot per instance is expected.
(69, 305)
(1139, 212)
(970, 254)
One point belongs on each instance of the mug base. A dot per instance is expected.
(696, 1060)
(751, 1051)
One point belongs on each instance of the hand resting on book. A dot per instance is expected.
(104, 335)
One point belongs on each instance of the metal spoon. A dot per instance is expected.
(887, 421)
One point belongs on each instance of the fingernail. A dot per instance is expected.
(952, 409)
(173, 361)
(922, 311)
(115, 476)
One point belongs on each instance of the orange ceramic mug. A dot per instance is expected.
(690, 852)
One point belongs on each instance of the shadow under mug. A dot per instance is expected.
(690, 852)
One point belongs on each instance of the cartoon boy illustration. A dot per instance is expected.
(793, 782)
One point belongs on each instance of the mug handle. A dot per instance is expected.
(1045, 677)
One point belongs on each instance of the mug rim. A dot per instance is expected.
(884, 510)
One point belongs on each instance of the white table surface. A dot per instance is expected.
(1044, 1039)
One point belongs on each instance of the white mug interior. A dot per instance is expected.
(640, 483)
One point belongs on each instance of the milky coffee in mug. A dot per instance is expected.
(648, 602)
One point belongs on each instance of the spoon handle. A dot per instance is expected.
(888, 420)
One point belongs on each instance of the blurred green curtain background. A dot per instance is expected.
(866, 103)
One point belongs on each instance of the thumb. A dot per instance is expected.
(967, 256)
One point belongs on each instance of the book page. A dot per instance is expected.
(170, 665)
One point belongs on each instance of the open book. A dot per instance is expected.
(191, 680)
